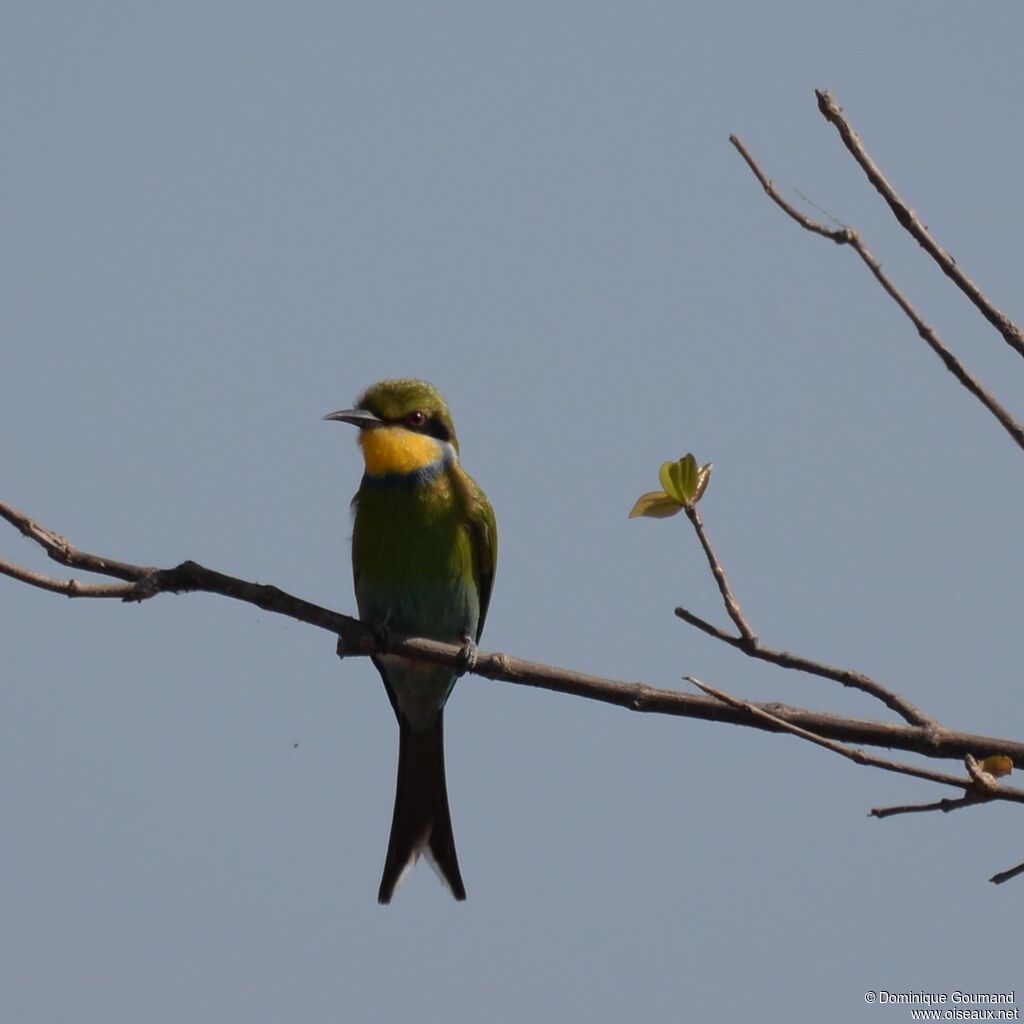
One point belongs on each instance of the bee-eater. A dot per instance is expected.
(424, 550)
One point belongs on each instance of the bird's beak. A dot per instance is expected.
(357, 417)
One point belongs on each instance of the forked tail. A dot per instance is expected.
(421, 822)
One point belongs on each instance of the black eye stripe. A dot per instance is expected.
(436, 428)
(433, 427)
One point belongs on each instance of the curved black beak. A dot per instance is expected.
(357, 417)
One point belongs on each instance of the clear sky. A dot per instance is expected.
(221, 221)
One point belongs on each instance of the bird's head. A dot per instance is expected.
(404, 426)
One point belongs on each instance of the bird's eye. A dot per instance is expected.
(416, 419)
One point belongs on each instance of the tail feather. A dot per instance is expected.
(421, 822)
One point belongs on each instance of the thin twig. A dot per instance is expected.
(851, 237)
(857, 756)
(837, 235)
(359, 640)
(732, 606)
(946, 804)
(60, 549)
(909, 220)
(749, 643)
(796, 662)
(70, 588)
(983, 785)
(1005, 876)
(980, 787)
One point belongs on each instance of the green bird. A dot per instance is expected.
(424, 551)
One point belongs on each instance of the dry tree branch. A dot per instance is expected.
(909, 220)
(849, 236)
(979, 786)
(982, 786)
(946, 804)
(357, 639)
(732, 606)
(70, 588)
(797, 662)
(991, 789)
(750, 645)
(1005, 876)
(923, 735)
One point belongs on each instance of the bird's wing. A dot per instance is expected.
(354, 508)
(483, 529)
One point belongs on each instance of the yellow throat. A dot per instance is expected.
(393, 449)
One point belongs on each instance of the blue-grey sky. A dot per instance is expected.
(222, 221)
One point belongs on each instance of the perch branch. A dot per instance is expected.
(357, 639)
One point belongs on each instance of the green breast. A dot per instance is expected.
(412, 558)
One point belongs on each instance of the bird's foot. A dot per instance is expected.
(468, 654)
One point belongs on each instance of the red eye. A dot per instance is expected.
(416, 419)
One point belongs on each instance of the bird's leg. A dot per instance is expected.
(468, 653)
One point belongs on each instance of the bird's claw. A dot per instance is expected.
(468, 655)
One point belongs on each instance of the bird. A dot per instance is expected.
(424, 554)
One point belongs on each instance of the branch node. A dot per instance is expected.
(144, 588)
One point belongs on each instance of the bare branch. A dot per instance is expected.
(852, 754)
(71, 588)
(60, 550)
(847, 677)
(837, 235)
(980, 787)
(945, 805)
(851, 237)
(732, 606)
(909, 220)
(749, 643)
(357, 639)
(1005, 876)
(983, 786)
